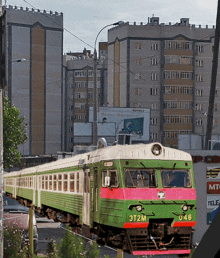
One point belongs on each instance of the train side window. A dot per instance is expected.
(31, 182)
(39, 182)
(50, 182)
(65, 182)
(77, 182)
(54, 182)
(42, 182)
(46, 182)
(59, 182)
(72, 182)
(104, 175)
(113, 178)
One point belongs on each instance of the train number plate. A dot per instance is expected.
(185, 217)
(137, 218)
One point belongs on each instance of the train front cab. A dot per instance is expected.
(155, 205)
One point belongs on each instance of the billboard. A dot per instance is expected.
(213, 187)
(134, 125)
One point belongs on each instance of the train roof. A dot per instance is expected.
(117, 152)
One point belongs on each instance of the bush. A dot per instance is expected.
(93, 250)
(71, 246)
(13, 243)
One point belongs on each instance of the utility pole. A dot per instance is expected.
(1, 138)
(213, 80)
(2, 84)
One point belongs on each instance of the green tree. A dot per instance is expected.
(13, 134)
(93, 250)
(14, 243)
(71, 246)
(52, 251)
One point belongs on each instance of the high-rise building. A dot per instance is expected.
(35, 86)
(79, 90)
(166, 68)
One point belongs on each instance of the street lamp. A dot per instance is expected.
(95, 91)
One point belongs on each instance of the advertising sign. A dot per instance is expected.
(213, 173)
(213, 187)
(134, 125)
(213, 201)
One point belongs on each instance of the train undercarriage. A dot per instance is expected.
(158, 236)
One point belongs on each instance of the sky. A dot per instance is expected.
(84, 18)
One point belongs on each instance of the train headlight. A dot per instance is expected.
(184, 207)
(139, 208)
(156, 149)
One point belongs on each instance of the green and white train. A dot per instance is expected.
(140, 198)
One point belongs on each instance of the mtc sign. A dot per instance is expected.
(213, 187)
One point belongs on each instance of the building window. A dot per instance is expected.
(153, 91)
(185, 60)
(199, 49)
(138, 61)
(199, 63)
(90, 73)
(80, 84)
(198, 107)
(80, 117)
(138, 46)
(178, 90)
(154, 106)
(177, 119)
(90, 95)
(177, 75)
(199, 78)
(198, 93)
(90, 84)
(177, 105)
(174, 134)
(153, 76)
(138, 91)
(154, 46)
(80, 73)
(77, 95)
(178, 60)
(178, 44)
(153, 61)
(199, 121)
(153, 121)
(216, 107)
(153, 136)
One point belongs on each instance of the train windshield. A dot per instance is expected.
(175, 178)
(140, 178)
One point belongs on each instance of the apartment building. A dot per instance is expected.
(166, 68)
(79, 89)
(36, 85)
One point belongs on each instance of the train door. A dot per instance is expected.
(15, 186)
(34, 189)
(86, 198)
(39, 191)
(93, 194)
